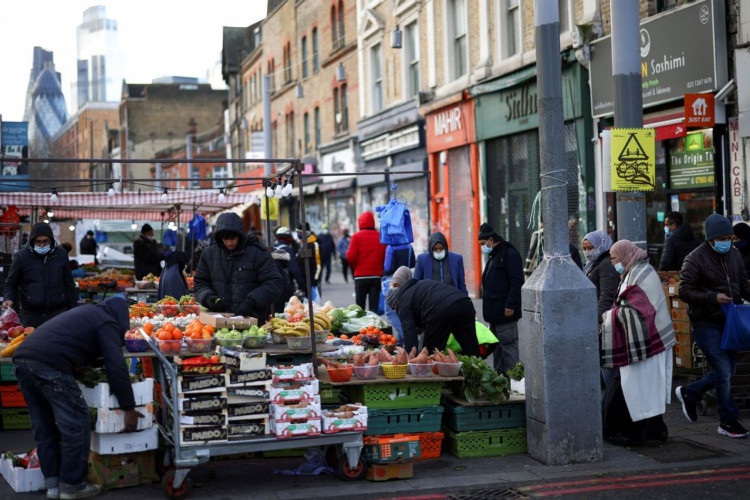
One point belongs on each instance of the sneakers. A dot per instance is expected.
(90, 490)
(689, 408)
(732, 429)
(53, 493)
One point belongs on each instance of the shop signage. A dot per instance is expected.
(338, 162)
(682, 51)
(699, 110)
(692, 161)
(450, 127)
(736, 170)
(633, 159)
(14, 147)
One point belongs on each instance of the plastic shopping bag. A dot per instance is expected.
(736, 336)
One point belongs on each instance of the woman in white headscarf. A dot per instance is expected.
(599, 269)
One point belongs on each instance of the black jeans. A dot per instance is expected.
(457, 318)
(345, 268)
(60, 423)
(36, 318)
(367, 290)
(326, 267)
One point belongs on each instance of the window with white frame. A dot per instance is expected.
(457, 40)
(510, 24)
(308, 145)
(315, 62)
(412, 59)
(220, 173)
(316, 117)
(304, 57)
(376, 77)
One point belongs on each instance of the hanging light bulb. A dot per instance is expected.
(53, 197)
(111, 191)
(277, 191)
(164, 197)
(222, 197)
(71, 228)
(270, 190)
(288, 188)
(46, 221)
(133, 226)
(50, 214)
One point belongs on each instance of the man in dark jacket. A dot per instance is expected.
(290, 270)
(146, 255)
(713, 274)
(366, 256)
(679, 240)
(87, 245)
(236, 273)
(438, 308)
(60, 421)
(441, 265)
(502, 280)
(327, 251)
(40, 283)
(313, 262)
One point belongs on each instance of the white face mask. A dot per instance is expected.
(439, 255)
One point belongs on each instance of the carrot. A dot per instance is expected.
(452, 355)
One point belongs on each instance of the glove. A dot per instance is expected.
(217, 304)
(247, 308)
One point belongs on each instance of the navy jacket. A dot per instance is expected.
(502, 280)
(327, 246)
(41, 283)
(81, 336)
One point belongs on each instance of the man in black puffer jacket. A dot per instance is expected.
(40, 283)
(236, 273)
(679, 241)
(60, 421)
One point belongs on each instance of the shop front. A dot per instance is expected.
(454, 182)
(683, 53)
(337, 192)
(507, 122)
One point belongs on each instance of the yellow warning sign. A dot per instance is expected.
(273, 208)
(633, 162)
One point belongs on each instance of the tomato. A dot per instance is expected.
(344, 336)
(215, 358)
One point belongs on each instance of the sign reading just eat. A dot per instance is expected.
(699, 110)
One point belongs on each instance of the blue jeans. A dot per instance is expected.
(723, 365)
(60, 423)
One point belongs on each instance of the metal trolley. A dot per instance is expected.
(347, 445)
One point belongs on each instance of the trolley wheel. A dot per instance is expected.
(702, 407)
(169, 489)
(349, 474)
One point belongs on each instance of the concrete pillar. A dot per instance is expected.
(558, 336)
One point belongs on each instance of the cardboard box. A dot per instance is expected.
(385, 449)
(201, 383)
(296, 391)
(199, 419)
(101, 397)
(247, 408)
(227, 320)
(288, 413)
(121, 471)
(304, 371)
(248, 394)
(203, 403)
(203, 435)
(678, 304)
(125, 442)
(257, 426)
(384, 472)
(333, 424)
(243, 360)
(113, 419)
(683, 327)
(683, 338)
(683, 350)
(238, 378)
(21, 480)
(289, 429)
(679, 315)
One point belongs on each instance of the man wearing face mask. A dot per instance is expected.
(712, 275)
(679, 240)
(40, 283)
(502, 280)
(441, 265)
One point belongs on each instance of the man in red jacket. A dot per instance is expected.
(365, 256)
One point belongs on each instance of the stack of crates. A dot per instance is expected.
(686, 355)
(14, 413)
(484, 430)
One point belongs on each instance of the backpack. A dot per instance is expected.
(281, 254)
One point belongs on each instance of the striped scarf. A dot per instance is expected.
(639, 325)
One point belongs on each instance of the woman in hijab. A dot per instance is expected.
(172, 281)
(742, 233)
(637, 339)
(599, 269)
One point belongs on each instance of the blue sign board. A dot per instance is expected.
(14, 147)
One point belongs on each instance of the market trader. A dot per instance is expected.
(438, 308)
(146, 254)
(236, 273)
(60, 421)
(40, 283)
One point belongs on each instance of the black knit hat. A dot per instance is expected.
(486, 231)
(717, 226)
(146, 228)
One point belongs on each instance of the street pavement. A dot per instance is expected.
(696, 460)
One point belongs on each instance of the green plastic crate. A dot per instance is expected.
(483, 418)
(7, 372)
(494, 443)
(397, 395)
(405, 420)
(329, 395)
(14, 419)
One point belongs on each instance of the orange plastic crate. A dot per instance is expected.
(11, 397)
(430, 444)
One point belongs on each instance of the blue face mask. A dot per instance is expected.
(42, 250)
(619, 268)
(486, 249)
(667, 231)
(722, 247)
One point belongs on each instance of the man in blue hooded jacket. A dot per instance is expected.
(441, 265)
(60, 421)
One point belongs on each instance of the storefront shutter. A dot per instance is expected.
(462, 238)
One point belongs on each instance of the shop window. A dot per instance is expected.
(457, 38)
(411, 47)
(510, 27)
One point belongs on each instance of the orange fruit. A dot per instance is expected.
(344, 336)
(196, 335)
(210, 328)
(168, 326)
(148, 327)
(176, 334)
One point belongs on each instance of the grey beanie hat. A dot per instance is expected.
(717, 226)
(401, 276)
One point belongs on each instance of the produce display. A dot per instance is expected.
(123, 277)
(19, 335)
(481, 382)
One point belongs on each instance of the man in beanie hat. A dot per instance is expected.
(437, 308)
(502, 280)
(713, 274)
(146, 254)
(40, 283)
(87, 245)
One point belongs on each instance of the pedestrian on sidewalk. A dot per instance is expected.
(342, 246)
(502, 280)
(327, 252)
(713, 274)
(637, 340)
(679, 241)
(366, 256)
(441, 265)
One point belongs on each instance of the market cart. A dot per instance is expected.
(184, 456)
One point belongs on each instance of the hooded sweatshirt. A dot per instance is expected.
(366, 254)
(81, 336)
(449, 270)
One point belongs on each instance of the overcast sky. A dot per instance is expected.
(157, 37)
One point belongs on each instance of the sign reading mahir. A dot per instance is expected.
(633, 162)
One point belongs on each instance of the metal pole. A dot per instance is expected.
(268, 222)
(267, 167)
(189, 156)
(626, 69)
(306, 256)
